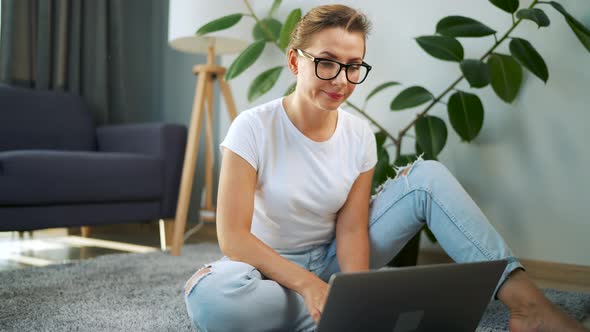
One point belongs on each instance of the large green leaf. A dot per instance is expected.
(476, 72)
(582, 34)
(526, 54)
(221, 23)
(534, 14)
(245, 59)
(410, 97)
(290, 23)
(380, 138)
(431, 134)
(461, 26)
(272, 25)
(442, 47)
(263, 83)
(275, 6)
(380, 88)
(466, 114)
(383, 169)
(420, 152)
(509, 6)
(581, 31)
(404, 160)
(505, 76)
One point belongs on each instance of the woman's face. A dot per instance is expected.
(334, 44)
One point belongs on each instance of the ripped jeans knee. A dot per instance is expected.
(400, 171)
(196, 277)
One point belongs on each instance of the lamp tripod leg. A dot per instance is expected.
(229, 100)
(188, 168)
(208, 211)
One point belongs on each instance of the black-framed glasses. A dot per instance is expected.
(327, 69)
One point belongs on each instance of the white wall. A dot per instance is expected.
(528, 168)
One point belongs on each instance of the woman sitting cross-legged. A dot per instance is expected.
(294, 203)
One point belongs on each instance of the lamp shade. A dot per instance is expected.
(186, 16)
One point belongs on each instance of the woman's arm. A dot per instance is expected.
(235, 207)
(352, 226)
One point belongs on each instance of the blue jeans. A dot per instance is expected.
(235, 296)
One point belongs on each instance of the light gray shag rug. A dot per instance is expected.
(144, 292)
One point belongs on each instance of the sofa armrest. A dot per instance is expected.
(166, 141)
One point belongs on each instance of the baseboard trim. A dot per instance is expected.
(559, 272)
(540, 270)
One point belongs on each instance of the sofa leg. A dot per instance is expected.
(21, 234)
(85, 231)
(166, 231)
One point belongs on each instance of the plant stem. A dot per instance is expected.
(436, 100)
(356, 108)
(514, 25)
(421, 114)
(262, 25)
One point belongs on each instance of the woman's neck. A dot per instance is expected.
(317, 124)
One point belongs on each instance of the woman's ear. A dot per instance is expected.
(292, 61)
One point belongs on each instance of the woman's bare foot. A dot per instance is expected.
(530, 310)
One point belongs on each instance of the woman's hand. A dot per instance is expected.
(314, 293)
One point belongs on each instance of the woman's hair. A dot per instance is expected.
(328, 16)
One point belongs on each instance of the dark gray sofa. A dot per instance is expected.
(58, 170)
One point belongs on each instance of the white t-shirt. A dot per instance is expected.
(301, 183)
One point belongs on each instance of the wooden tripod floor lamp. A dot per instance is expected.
(185, 16)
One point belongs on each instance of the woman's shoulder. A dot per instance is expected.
(263, 111)
(255, 122)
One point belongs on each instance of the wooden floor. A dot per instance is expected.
(55, 246)
(61, 245)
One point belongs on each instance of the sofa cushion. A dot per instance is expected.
(36, 119)
(34, 177)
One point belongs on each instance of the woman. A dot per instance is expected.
(294, 201)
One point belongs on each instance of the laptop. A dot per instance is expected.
(442, 297)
